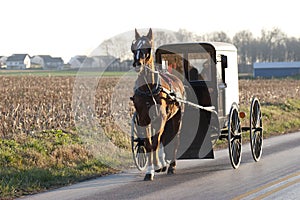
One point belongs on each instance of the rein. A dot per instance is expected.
(171, 94)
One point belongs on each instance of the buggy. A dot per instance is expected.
(210, 74)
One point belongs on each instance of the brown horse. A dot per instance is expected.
(158, 113)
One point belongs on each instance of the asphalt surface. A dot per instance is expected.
(275, 176)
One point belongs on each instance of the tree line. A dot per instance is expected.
(271, 46)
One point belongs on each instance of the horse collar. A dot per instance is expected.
(151, 91)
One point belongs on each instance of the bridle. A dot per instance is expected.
(142, 52)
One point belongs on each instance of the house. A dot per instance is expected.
(276, 69)
(47, 62)
(3, 62)
(18, 61)
(107, 62)
(79, 61)
(55, 63)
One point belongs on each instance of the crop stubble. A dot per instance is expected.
(34, 103)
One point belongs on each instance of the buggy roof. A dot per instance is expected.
(218, 46)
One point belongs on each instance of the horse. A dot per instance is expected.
(155, 103)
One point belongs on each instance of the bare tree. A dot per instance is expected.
(185, 36)
(217, 37)
(274, 46)
(243, 40)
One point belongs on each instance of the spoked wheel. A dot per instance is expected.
(256, 130)
(234, 137)
(138, 146)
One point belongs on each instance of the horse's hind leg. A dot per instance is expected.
(176, 125)
(172, 167)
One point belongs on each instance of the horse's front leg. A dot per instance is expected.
(154, 164)
(148, 145)
(159, 160)
(158, 165)
(162, 167)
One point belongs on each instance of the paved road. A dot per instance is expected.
(276, 176)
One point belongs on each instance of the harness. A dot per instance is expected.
(151, 92)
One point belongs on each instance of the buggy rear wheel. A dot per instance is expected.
(256, 130)
(234, 137)
(138, 146)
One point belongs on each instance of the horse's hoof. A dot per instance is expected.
(148, 177)
(171, 170)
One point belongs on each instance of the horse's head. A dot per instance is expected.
(141, 49)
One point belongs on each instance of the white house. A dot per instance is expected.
(18, 61)
(3, 61)
(47, 62)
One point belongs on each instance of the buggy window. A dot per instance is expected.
(199, 66)
(173, 63)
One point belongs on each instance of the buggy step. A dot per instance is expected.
(254, 129)
(225, 136)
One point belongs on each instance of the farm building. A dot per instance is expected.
(276, 69)
(111, 63)
(3, 62)
(18, 61)
(79, 61)
(47, 62)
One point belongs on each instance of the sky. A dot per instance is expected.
(65, 28)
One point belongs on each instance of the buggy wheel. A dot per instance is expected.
(234, 137)
(137, 146)
(256, 130)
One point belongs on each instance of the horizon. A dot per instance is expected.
(92, 53)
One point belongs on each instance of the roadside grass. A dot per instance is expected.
(281, 118)
(277, 118)
(51, 159)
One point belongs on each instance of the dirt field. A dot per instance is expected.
(269, 90)
(34, 103)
